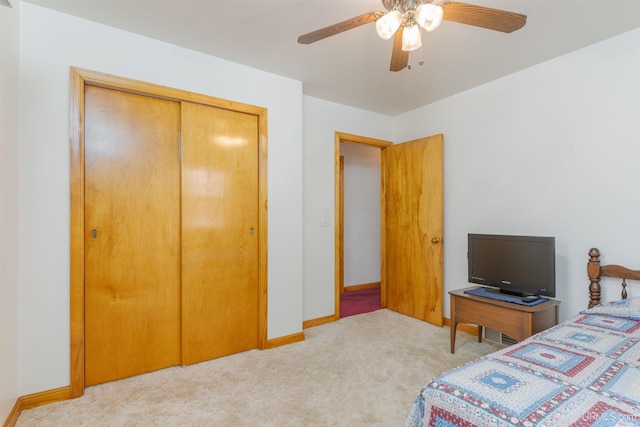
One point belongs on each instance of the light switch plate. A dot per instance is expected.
(324, 217)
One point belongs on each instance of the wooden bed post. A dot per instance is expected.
(593, 270)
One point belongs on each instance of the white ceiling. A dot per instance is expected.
(351, 68)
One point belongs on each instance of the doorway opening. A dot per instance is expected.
(411, 226)
(339, 220)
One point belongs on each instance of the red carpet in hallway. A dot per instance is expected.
(359, 301)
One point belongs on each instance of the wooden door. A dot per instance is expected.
(413, 228)
(219, 232)
(132, 234)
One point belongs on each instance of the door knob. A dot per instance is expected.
(435, 240)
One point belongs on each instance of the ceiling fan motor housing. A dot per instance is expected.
(404, 5)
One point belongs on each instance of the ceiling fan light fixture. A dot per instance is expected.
(429, 16)
(411, 39)
(388, 24)
(405, 19)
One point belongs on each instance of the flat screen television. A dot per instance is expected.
(515, 265)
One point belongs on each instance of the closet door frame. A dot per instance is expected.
(79, 79)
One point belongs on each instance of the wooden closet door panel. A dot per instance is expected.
(132, 259)
(219, 232)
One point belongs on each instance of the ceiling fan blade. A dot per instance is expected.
(340, 27)
(399, 57)
(479, 16)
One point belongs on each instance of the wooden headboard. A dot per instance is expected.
(596, 271)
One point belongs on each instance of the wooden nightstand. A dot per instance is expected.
(515, 320)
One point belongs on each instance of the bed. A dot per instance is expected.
(583, 372)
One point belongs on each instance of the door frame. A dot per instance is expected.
(79, 79)
(381, 144)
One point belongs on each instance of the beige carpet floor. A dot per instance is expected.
(364, 370)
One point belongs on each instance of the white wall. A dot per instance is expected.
(50, 43)
(361, 213)
(9, 67)
(321, 120)
(552, 150)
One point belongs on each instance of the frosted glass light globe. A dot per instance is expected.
(429, 16)
(411, 39)
(388, 24)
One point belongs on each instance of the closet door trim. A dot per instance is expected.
(79, 79)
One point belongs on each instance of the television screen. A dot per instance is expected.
(517, 265)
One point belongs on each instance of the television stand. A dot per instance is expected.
(516, 321)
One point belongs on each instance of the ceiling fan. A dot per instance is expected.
(405, 18)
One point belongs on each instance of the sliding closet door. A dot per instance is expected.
(219, 232)
(132, 234)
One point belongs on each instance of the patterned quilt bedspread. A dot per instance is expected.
(585, 372)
